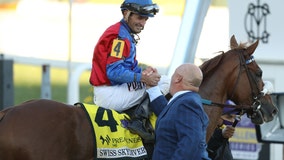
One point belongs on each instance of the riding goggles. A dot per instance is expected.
(147, 10)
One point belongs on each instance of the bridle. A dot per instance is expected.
(256, 92)
(252, 110)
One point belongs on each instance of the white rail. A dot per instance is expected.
(73, 95)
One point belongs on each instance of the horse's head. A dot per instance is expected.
(236, 76)
(248, 89)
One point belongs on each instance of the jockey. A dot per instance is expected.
(119, 83)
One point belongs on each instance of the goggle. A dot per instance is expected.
(151, 9)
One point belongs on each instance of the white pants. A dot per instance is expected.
(124, 96)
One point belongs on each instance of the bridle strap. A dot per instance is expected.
(238, 107)
(244, 63)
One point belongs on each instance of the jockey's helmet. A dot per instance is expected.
(142, 7)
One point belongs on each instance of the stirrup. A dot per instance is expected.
(137, 126)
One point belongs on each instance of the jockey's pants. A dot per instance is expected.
(124, 96)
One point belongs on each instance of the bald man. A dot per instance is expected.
(180, 131)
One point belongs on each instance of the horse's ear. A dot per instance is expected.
(252, 48)
(233, 42)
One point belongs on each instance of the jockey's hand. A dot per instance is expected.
(151, 79)
(149, 70)
(228, 132)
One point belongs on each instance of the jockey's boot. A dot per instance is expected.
(137, 126)
(139, 122)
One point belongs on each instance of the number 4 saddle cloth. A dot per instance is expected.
(112, 138)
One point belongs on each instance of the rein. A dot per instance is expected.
(237, 108)
(222, 105)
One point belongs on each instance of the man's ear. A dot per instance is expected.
(178, 78)
(126, 14)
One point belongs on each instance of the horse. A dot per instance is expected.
(235, 76)
(46, 129)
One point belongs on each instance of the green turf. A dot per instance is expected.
(27, 84)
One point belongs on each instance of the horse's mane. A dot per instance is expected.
(211, 64)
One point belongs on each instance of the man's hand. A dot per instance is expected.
(150, 76)
(228, 132)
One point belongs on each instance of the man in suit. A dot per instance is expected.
(180, 131)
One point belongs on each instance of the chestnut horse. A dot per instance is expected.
(48, 130)
(236, 76)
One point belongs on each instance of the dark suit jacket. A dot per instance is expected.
(180, 128)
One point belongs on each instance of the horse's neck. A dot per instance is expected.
(214, 89)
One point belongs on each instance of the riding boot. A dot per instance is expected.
(137, 126)
(139, 123)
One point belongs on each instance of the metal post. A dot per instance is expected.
(69, 46)
(45, 83)
(192, 22)
(6, 83)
